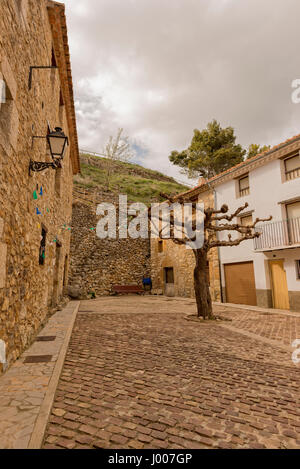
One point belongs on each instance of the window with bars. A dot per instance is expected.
(246, 221)
(292, 167)
(298, 269)
(244, 186)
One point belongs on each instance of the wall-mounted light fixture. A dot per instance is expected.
(42, 67)
(58, 143)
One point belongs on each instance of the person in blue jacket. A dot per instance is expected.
(147, 283)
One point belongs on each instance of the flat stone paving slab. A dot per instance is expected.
(138, 374)
(24, 387)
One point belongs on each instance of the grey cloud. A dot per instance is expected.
(161, 68)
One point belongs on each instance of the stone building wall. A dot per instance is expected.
(28, 290)
(96, 265)
(166, 254)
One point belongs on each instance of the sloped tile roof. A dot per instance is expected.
(57, 19)
(245, 163)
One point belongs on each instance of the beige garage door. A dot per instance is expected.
(240, 283)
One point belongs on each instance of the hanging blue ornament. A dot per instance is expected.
(41, 191)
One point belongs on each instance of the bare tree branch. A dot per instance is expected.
(235, 242)
(224, 209)
(237, 226)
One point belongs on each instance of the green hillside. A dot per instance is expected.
(139, 183)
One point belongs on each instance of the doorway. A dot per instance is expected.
(169, 287)
(293, 221)
(65, 278)
(280, 291)
(240, 283)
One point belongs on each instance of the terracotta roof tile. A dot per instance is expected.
(57, 18)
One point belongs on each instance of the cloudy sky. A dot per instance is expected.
(161, 68)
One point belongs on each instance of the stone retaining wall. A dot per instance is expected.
(96, 265)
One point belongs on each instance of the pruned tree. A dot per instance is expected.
(215, 221)
(117, 148)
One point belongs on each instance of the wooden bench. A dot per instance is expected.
(125, 289)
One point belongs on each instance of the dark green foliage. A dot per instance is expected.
(255, 149)
(212, 151)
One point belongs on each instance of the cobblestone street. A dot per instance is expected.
(141, 373)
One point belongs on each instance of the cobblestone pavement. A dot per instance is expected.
(139, 373)
(23, 387)
(283, 328)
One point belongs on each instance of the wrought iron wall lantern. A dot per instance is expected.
(58, 143)
(42, 67)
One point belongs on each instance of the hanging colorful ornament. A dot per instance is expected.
(35, 195)
(38, 212)
(41, 191)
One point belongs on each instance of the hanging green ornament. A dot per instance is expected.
(35, 196)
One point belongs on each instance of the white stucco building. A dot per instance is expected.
(265, 271)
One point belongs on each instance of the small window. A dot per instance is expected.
(292, 167)
(246, 221)
(244, 186)
(61, 99)
(160, 246)
(2, 92)
(53, 59)
(169, 275)
(61, 109)
(298, 269)
(42, 253)
(6, 107)
(53, 71)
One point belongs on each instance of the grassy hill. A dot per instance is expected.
(140, 184)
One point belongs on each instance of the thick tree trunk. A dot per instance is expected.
(201, 285)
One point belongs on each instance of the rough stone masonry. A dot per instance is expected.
(33, 34)
(97, 264)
